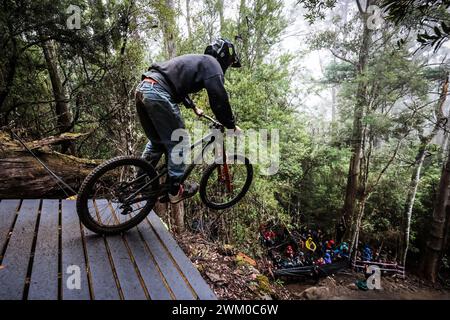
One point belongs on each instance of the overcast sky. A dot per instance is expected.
(294, 41)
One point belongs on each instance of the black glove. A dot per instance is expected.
(188, 103)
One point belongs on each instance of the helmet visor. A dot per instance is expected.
(237, 62)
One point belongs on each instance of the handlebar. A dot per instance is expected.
(191, 105)
(212, 120)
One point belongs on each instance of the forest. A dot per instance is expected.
(357, 90)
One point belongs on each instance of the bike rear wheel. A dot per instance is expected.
(224, 185)
(112, 198)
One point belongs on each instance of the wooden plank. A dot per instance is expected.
(72, 253)
(151, 276)
(44, 276)
(130, 283)
(196, 281)
(8, 210)
(103, 283)
(17, 255)
(125, 270)
(170, 272)
(149, 272)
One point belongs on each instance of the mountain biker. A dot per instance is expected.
(168, 83)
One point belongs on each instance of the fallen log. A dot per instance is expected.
(22, 176)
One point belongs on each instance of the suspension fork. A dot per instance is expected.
(224, 173)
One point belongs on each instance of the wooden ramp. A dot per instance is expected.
(46, 254)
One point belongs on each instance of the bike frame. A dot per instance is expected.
(205, 142)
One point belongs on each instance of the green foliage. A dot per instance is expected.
(102, 63)
(431, 15)
(337, 73)
(315, 8)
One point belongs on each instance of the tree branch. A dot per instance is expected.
(342, 58)
(388, 164)
(358, 3)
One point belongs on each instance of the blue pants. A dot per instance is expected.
(159, 117)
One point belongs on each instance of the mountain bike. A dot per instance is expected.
(118, 194)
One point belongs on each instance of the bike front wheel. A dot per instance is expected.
(224, 185)
(117, 195)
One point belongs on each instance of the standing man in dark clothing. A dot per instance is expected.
(168, 83)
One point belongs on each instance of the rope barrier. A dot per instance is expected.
(59, 182)
(394, 267)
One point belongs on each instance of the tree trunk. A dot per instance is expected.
(415, 178)
(365, 193)
(221, 15)
(24, 177)
(188, 18)
(333, 104)
(177, 213)
(438, 231)
(128, 112)
(357, 226)
(243, 30)
(351, 192)
(169, 29)
(11, 67)
(444, 145)
(10, 74)
(64, 117)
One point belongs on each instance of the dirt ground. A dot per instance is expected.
(235, 279)
(342, 287)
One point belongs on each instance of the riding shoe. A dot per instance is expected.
(185, 191)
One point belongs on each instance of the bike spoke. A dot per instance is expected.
(113, 188)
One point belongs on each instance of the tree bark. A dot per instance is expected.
(351, 192)
(10, 74)
(357, 227)
(221, 15)
(11, 66)
(366, 192)
(243, 30)
(438, 231)
(168, 24)
(409, 204)
(64, 116)
(169, 29)
(188, 18)
(24, 177)
(128, 112)
(415, 178)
